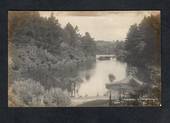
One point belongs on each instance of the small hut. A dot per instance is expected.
(125, 86)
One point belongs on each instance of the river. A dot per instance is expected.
(94, 84)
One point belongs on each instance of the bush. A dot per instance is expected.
(27, 90)
(56, 98)
(30, 93)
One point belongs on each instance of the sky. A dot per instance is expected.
(102, 25)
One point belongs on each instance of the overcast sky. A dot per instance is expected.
(102, 25)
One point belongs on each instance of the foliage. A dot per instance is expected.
(142, 51)
(142, 42)
(32, 93)
(110, 47)
(43, 51)
(26, 90)
(55, 97)
(88, 45)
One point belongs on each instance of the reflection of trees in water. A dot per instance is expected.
(111, 77)
(87, 76)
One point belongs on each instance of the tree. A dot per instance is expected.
(43, 51)
(141, 42)
(155, 24)
(131, 44)
(71, 35)
(143, 51)
(88, 45)
(148, 37)
(16, 21)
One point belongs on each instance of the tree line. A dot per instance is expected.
(142, 51)
(30, 27)
(143, 42)
(40, 44)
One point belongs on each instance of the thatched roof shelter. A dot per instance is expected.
(129, 84)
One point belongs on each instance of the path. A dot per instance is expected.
(81, 100)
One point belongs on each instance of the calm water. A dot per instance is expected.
(96, 78)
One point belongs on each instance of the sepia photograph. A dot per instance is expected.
(84, 58)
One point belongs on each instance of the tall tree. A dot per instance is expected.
(143, 46)
(88, 44)
(131, 43)
(71, 35)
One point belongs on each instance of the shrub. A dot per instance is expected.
(30, 93)
(55, 97)
(27, 90)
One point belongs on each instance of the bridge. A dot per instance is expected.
(104, 57)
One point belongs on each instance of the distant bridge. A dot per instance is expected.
(104, 57)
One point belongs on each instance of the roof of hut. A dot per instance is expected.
(129, 83)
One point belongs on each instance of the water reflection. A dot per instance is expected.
(95, 85)
(87, 78)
